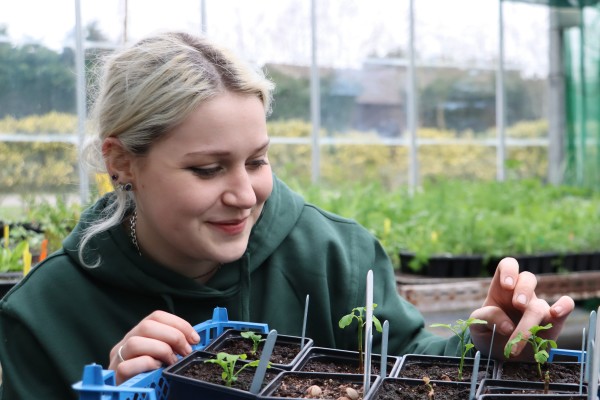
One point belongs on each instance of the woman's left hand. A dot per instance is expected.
(513, 306)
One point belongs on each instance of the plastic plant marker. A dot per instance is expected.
(590, 361)
(368, 331)
(591, 395)
(474, 375)
(384, 348)
(595, 355)
(591, 336)
(26, 260)
(261, 370)
(487, 367)
(304, 322)
(581, 362)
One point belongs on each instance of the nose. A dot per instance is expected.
(240, 190)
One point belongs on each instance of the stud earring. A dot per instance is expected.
(125, 186)
(114, 177)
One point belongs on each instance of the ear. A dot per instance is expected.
(119, 161)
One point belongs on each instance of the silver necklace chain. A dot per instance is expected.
(132, 231)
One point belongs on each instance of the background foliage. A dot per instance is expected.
(52, 167)
(459, 210)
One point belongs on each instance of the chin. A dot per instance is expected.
(231, 254)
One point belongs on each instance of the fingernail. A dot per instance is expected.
(195, 337)
(188, 349)
(506, 328)
(509, 280)
(558, 310)
(513, 350)
(522, 299)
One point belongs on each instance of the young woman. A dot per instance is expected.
(198, 220)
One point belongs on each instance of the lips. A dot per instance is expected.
(232, 227)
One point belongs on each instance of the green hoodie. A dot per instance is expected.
(63, 315)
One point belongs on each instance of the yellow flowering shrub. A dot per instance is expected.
(52, 122)
(53, 166)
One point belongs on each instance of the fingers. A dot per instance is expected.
(155, 341)
(537, 312)
(513, 306)
(510, 290)
(176, 322)
(524, 290)
(138, 346)
(561, 309)
(493, 316)
(133, 367)
(503, 282)
(168, 330)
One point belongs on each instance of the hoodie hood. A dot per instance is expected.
(122, 267)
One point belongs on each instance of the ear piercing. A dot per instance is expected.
(122, 186)
(125, 186)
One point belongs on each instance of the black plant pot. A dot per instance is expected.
(296, 383)
(498, 386)
(532, 396)
(593, 261)
(286, 351)
(415, 366)
(540, 263)
(586, 261)
(28, 226)
(560, 372)
(185, 382)
(400, 388)
(446, 266)
(322, 359)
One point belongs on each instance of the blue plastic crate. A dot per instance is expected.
(578, 354)
(99, 384)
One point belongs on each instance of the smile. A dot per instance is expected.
(230, 227)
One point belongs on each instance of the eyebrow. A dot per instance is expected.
(226, 152)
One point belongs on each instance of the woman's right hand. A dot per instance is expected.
(153, 342)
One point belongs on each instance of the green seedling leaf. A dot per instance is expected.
(540, 345)
(541, 357)
(536, 328)
(511, 343)
(255, 338)
(359, 314)
(346, 320)
(227, 362)
(460, 330)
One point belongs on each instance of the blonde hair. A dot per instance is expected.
(147, 89)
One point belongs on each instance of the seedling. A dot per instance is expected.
(12, 259)
(429, 386)
(256, 339)
(227, 362)
(460, 330)
(358, 313)
(539, 345)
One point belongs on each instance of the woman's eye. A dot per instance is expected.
(205, 172)
(256, 164)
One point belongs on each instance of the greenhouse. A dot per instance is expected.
(441, 158)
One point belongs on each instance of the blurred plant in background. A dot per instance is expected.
(460, 209)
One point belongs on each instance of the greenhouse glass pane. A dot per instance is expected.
(36, 66)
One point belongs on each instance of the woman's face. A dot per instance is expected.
(200, 190)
